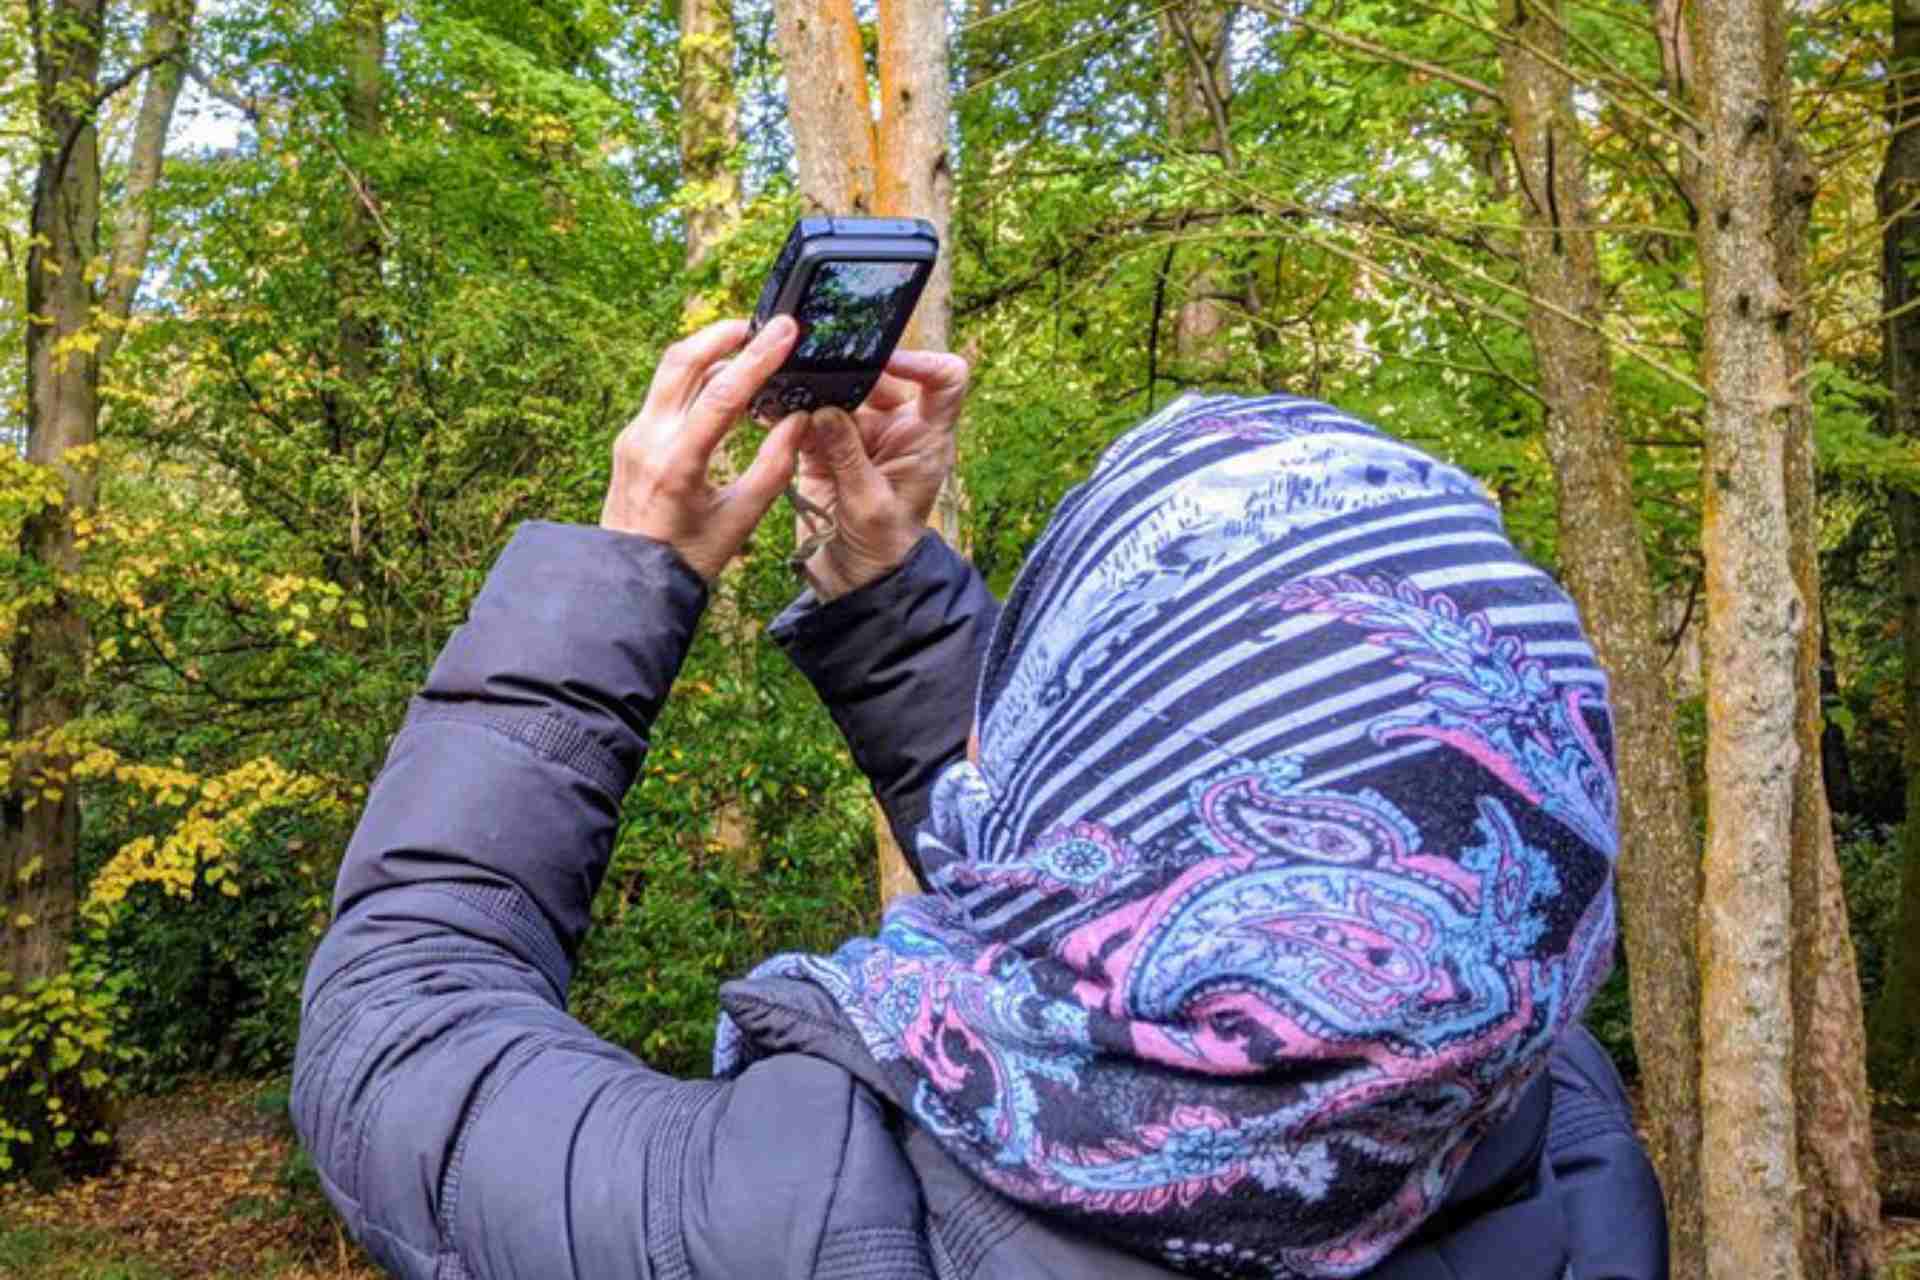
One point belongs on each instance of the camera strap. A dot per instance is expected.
(822, 528)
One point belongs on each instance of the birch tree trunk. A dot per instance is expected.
(1896, 1037)
(1604, 564)
(899, 167)
(1756, 617)
(72, 333)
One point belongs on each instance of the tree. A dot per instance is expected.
(1197, 49)
(1608, 576)
(900, 166)
(77, 306)
(1783, 1186)
(1896, 1027)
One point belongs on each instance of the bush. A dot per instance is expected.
(62, 1072)
(219, 972)
(1870, 874)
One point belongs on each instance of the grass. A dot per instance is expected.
(71, 1253)
(52, 1253)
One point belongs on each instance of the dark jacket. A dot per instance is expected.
(465, 1126)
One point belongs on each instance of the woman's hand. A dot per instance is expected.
(660, 486)
(880, 470)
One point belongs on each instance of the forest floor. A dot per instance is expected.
(208, 1184)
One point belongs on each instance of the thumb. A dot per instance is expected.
(834, 439)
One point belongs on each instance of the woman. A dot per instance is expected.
(1261, 901)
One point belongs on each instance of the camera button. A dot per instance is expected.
(796, 398)
(856, 393)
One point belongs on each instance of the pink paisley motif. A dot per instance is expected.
(1472, 745)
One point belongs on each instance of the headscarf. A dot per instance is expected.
(1287, 857)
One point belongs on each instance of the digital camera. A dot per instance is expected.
(851, 284)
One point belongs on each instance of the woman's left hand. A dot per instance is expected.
(660, 486)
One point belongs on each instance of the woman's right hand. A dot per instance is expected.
(880, 470)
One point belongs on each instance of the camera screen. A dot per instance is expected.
(849, 305)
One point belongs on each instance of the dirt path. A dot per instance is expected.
(206, 1184)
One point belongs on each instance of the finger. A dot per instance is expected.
(889, 393)
(685, 364)
(942, 377)
(768, 475)
(725, 399)
(834, 438)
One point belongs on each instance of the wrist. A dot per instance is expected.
(837, 569)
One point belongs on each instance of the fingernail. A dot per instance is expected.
(779, 327)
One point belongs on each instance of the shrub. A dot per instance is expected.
(61, 1075)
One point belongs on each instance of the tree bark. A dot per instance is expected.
(916, 176)
(709, 136)
(1756, 617)
(41, 812)
(1196, 50)
(709, 130)
(1604, 563)
(1840, 1214)
(1896, 1038)
(836, 148)
(900, 167)
(66, 345)
(915, 180)
(167, 26)
(364, 30)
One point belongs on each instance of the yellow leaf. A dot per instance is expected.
(23, 921)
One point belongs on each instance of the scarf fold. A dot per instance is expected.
(1288, 856)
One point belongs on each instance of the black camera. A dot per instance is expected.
(851, 284)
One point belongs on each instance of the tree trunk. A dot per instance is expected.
(364, 30)
(901, 167)
(66, 346)
(916, 175)
(1756, 618)
(709, 133)
(709, 136)
(1840, 1212)
(1196, 43)
(915, 180)
(836, 149)
(41, 812)
(1604, 564)
(167, 26)
(1896, 1038)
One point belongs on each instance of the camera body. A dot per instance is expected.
(851, 284)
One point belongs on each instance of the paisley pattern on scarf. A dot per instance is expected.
(1287, 859)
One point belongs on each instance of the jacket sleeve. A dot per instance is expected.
(1616, 1217)
(897, 664)
(461, 1122)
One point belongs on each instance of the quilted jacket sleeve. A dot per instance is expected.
(898, 664)
(462, 1123)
